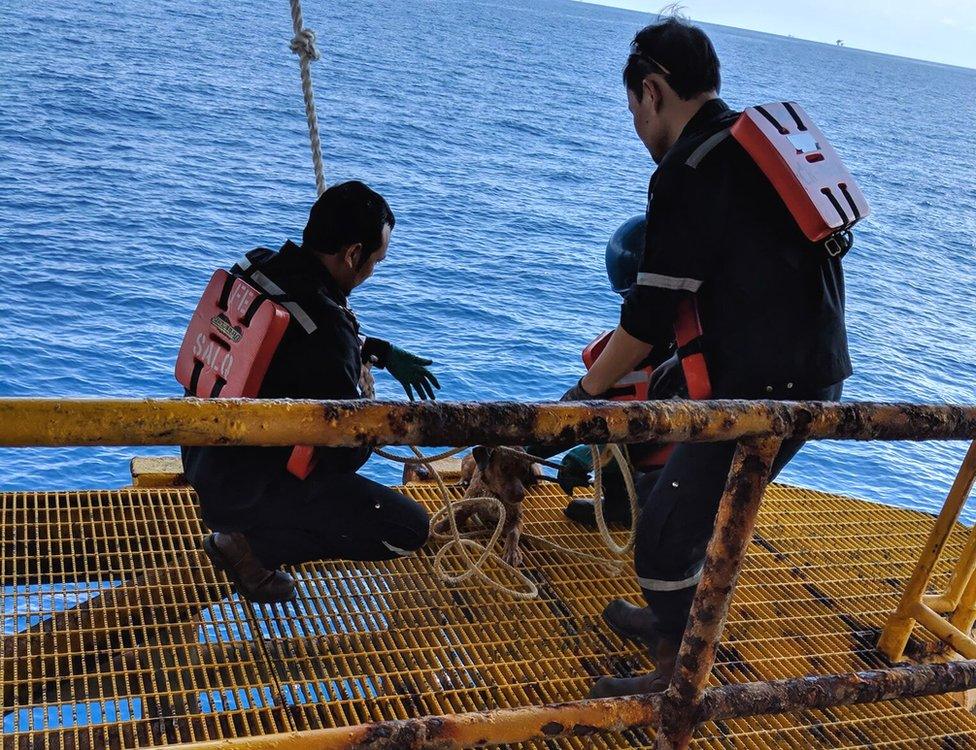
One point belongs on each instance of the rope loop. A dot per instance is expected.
(460, 542)
(303, 44)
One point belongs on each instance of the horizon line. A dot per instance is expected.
(960, 66)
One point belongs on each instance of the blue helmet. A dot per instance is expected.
(624, 251)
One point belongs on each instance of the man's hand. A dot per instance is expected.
(574, 469)
(577, 393)
(412, 372)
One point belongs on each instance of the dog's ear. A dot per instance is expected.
(482, 455)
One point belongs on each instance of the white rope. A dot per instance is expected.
(599, 460)
(462, 541)
(456, 540)
(303, 45)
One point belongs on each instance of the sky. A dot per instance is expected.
(938, 30)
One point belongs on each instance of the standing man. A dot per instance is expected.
(771, 305)
(261, 515)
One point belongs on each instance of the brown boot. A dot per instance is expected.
(656, 682)
(631, 622)
(231, 553)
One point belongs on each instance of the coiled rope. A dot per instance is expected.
(464, 543)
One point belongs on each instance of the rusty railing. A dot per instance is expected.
(758, 427)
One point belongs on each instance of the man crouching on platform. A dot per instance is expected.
(262, 515)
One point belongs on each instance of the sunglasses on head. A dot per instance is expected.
(636, 50)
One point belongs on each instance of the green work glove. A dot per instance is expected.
(411, 371)
(574, 469)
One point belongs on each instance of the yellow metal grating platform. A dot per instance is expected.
(117, 633)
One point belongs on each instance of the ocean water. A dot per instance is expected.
(143, 144)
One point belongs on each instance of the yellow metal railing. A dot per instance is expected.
(61, 422)
(959, 600)
(759, 428)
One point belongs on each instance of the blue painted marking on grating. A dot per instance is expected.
(27, 605)
(65, 715)
(362, 598)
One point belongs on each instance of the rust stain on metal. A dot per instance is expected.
(413, 734)
(734, 526)
(40, 422)
(553, 728)
(777, 696)
(570, 719)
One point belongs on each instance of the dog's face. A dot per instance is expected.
(505, 474)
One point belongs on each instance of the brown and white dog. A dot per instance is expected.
(502, 474)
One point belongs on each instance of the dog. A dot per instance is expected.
(502, 474)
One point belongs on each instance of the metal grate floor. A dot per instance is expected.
(117, 633)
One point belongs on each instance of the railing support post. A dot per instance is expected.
(894, 637)
(734, 525)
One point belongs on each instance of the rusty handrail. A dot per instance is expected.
(62, 422)
(736, 521)
(758, 426)
(581, 718)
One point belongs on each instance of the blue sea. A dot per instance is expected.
(143, 144)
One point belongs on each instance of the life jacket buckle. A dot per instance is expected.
(839, 243)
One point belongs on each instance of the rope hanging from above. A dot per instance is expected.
(303, 45)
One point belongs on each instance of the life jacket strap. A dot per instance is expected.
(706, 147)
(689, 337)
(245, 268)
(839, 244)
(695, 346)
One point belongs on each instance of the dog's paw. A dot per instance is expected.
(512, 555)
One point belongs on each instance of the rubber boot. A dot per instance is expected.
(631, 623)
(583, 511)
(616, 502)
(664, 656)
(230, 553)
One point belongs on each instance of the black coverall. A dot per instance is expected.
(334, 512)
(772, 310)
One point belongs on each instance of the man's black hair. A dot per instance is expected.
(681, 52)
(345, 214)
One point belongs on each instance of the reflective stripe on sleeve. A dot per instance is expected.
(633, 378)
(397, 550)
(661, 281)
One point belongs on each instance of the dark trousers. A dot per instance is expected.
(334, 516)
(677, 517)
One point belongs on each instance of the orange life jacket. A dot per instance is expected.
(806, 172)
(635, 386)
(228, 346)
